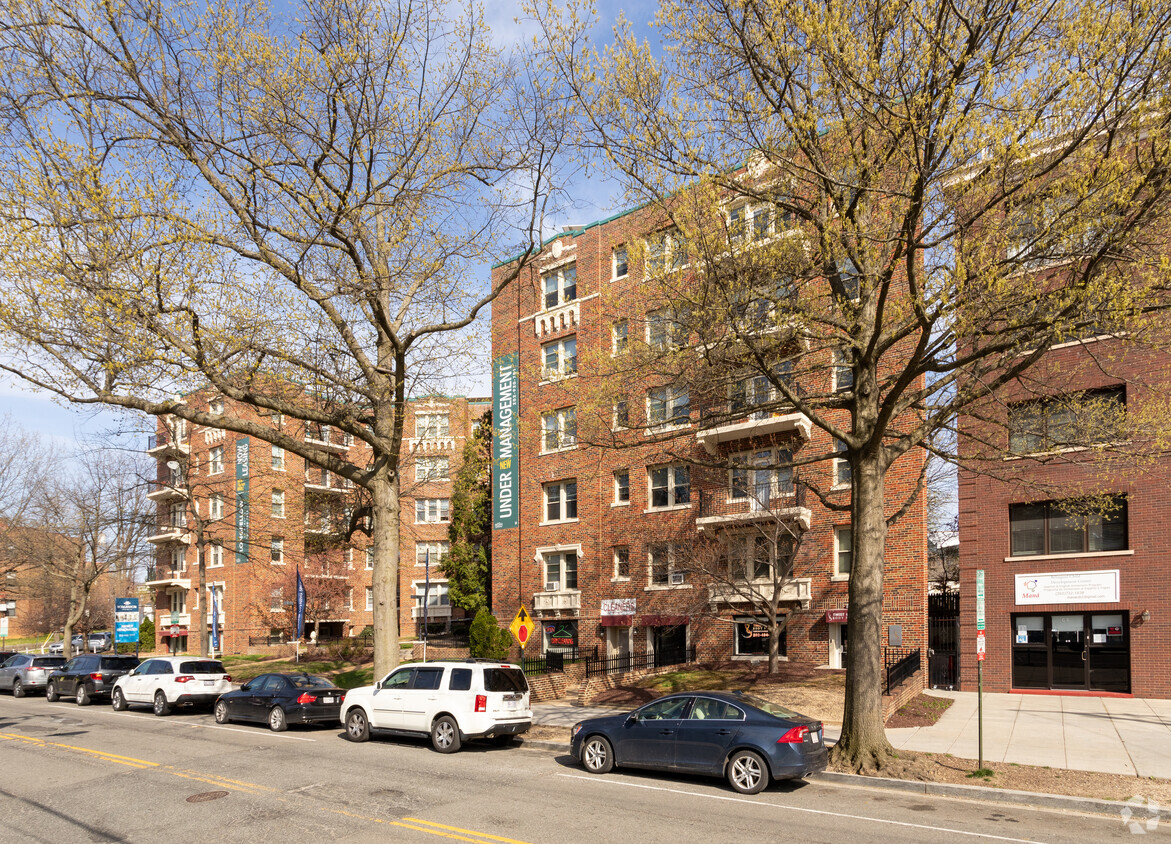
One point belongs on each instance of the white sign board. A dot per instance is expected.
(4, 626)
(981, 649)
(618, 606)
(1068, 587)
(979, 599)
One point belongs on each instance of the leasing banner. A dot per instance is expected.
(242, 500)
(505, 442)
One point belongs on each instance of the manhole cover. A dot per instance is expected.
(205, 796)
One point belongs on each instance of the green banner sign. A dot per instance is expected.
(505, 441)
(242, 500)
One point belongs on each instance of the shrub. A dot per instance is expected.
(485, 638)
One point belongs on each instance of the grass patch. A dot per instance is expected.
(354, 678)
(694, 679)
(982, 773)
(239, 659)
(245, 671)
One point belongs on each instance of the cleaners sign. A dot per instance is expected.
(505, 441)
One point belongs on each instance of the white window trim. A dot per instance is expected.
(426, 509)
(369, 599)
(614, 350)
(212, 463)
(426, 433)
(545, 520)
(560, 430)
(278, 497)
(549, 376)
(672, 549)
(614, 502)
(278, 459)
(614, 576)
(539, 558)
(427, 479)
(214, 512)
(437, 557)
(559, 271)
(837, 576)
(655, 428)
(614, 276)
(211, 546)
(369, 559)
(671, 487)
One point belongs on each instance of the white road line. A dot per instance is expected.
(168, 723)
(802, 809)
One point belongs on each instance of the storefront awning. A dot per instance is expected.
(663, 620)
(836, 616)
(617, 620)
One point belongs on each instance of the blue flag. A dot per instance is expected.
(300, 605)
(215, 621)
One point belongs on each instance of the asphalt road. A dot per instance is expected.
(91, 774)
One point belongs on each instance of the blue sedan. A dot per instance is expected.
(744, 738)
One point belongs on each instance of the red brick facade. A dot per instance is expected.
(257, 594)
(1132, 659)
(521, 323)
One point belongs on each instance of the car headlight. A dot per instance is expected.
(576, 729)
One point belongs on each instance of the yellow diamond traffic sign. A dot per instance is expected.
(522, 627)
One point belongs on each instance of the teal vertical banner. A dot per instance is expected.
(242, 500)
(505, 441)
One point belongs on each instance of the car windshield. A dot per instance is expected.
(49, 661)
(308, 681)
(119, 663)
(203, 666)
(768, 706)
(505, 680)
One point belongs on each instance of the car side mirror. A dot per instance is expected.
(632, 719)
(247, 687)
(131, 672)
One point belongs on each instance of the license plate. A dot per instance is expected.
(329, 700)
(209, 682)
(510, 704)
(816, 737)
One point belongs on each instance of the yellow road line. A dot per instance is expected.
(109, 757)
(218, 778)
(481, 837)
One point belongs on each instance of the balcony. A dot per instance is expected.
(563, 317)
(793, 590)
(327, 439)
(162, 493)
(167, 577)
(719, 509)
(167, 446)
(166, 619)
(568, 601)
(757, 424)
(170, 533)
(431, 445)
(320, 480)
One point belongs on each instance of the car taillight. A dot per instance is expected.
(794, 736)
(227, 678)
(306, 698)
(184, 678)
(481, 703)
(97, 678)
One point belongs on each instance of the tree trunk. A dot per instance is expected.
(863, 745)
(774, 647)
(384, 489)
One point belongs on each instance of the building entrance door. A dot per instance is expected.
(670, 645)
(1068, 642)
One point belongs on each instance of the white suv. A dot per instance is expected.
(451, 701)
(167, 681)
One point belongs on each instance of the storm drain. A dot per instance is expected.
(205, 796)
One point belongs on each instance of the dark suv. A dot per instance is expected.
(88, 676)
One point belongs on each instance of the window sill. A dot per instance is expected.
(620, 504)
(557, 450)
(1056, 452)
(559, 522)
(555, 378)
(668, 509)
(619, 579)
(839, 578)
(665, 587)
(1080, 555)
(656, 430)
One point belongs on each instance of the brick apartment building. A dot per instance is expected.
(268, 513)
(1075, 601)
(598, 539)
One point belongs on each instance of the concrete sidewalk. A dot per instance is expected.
(1109, 735)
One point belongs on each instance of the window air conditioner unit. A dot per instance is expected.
(677, 578)
(552, 586)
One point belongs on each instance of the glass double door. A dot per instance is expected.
(1088, 651)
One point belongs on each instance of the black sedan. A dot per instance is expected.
(282, 699)
(738, 736)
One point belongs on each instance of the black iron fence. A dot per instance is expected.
(366, 640)
(943, 663)
(444, 634)
(554, 662)
(900, 664)
(600, 666)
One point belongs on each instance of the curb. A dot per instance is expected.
(994, 795)
(1032, 799)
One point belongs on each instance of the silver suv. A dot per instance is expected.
(452, 701)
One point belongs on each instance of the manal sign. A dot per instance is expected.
(505, 441)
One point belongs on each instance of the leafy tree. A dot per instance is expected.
(945, 192)
(486, 639)
(297, 212)
(468, 565)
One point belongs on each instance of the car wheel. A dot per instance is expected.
(747, 772)
(118, 701)
(597, 755)
(51, 693)
(221, 712)
(445, 734)
(357, 727)
(17, 688)
(161, 706)
(82, 696)
(276, 720)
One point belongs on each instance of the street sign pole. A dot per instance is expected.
(980, 649)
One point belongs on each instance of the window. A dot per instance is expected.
(369, 598)
(670, 486)
(177, 515)
(560, 286)
(432, 425)
(843, 371)
(1055, 527)
(560, 358)
(759, 476)
(662, 560)
(843, 550)
(668, 406)
(621, 414)
(369, 559)
(349, 558)
(432, 510)
(278, 504)
(665, 329)
(619, 263)
(622, 562)
(215, 506)
(278, 458)
(665, 251)
(432, 468)
(749, 222)
(755, 557)
(752, 638)
(277, 600)
(757, 395)
(561, 571)
(350, 598)
(215, 555)
(431, 552)
(622, 486)
(559, 429)
(842, 472)
(619, 336)
(215, 460)
(560, 501)
(437, 596)
(216, 406)
(1064, 421)
(178, 560)
(460, 680)
(277, 545)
